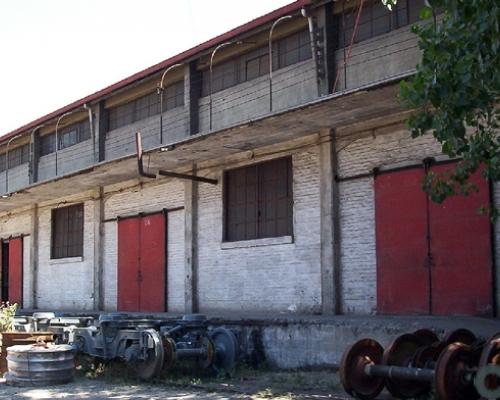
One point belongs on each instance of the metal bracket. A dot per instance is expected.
(140, 168)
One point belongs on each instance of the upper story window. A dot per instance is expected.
(287, 51)
(17, 156)
(376, 19)
(258, 201)
(69, 136)
(294, 48)
(146, 106)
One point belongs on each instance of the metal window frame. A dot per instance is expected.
(259, 197)
(63, 251)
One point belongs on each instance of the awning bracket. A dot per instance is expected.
(140, 168)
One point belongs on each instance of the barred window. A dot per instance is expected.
(146, 106)
(294, 48)
(258, 201)
(18, 156)
(67, 232)
(47, 144)
(257, 66)
(74, 134)
(289, 50)
(376, 19)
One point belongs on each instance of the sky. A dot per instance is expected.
(53, 52)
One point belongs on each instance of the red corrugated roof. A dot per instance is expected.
(292, 7)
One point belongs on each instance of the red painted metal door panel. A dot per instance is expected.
(141, 263)
(128, 264)
(401, 240)
(152, 266)
(461, 250)
(16, 271)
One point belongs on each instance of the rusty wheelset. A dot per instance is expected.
(460, 367)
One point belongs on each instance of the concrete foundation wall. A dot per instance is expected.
(66, 284)
(262, 275)
(293, 85)
(121, 142)
(378, 58)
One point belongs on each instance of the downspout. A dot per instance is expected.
(220, 46)
(270, 44)
(160, 90)
(314, 46)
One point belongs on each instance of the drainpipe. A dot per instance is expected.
(160, 92)
(314, 46)
(87, 107)
(220, 46)
(285, 17)
(7, 163)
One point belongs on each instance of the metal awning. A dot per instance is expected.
(341, 109)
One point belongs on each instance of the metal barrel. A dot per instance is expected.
(35, 365)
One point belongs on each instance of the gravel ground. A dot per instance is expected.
(246, 385)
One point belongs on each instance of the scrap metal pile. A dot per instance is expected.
(458, 367)
(147, 345)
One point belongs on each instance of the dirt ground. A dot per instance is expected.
(116, 382)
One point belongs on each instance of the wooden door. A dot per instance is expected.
(142, 263)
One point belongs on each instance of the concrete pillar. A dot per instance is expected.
(329, 226)
(101, 127)
(33, 272)
(34, 156)
(98, 250)
(190, 245)
(329, 25)
(192, 94)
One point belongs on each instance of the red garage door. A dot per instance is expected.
(431, 258)
(141, 263)
(12, 270)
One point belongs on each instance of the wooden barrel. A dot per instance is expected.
(8, 339)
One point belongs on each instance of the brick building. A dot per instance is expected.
(315, 204)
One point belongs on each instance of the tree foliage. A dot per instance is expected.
(456, 89)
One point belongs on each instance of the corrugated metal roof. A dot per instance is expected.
(292, 7)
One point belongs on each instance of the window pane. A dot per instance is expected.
(258, 201)
(67, 231)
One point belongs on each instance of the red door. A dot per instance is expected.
(141, 263)
(461, 250)
(431, 258)
(401, 239)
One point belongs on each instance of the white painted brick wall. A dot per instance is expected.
(65, 286)
(175, 261)
(110, 273)
(27, 295)
(266, 278)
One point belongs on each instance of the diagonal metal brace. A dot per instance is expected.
(140, 167)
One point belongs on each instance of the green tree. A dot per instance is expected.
(455, 90)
